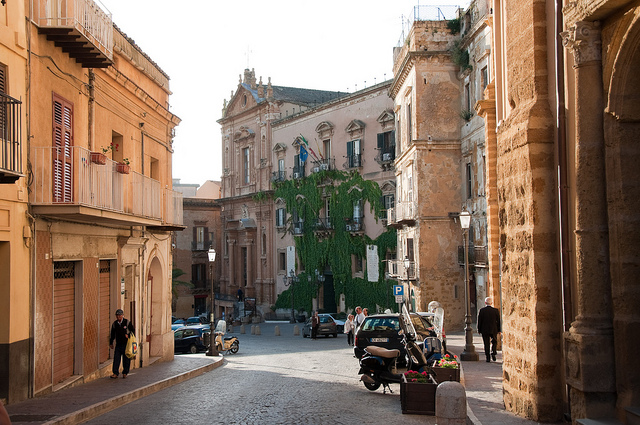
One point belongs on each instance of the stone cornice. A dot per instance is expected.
(408, 64)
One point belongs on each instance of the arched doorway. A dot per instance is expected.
(622, 137)
(154, 305)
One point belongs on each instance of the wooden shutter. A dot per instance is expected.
(381, 142)
(62, 142)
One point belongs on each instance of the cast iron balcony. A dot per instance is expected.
(10, 139)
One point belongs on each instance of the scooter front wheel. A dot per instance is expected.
(371, 386)
(234, 347)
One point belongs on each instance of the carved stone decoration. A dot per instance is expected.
(245, 211)
(585, 42)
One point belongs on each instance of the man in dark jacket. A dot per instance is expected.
(489, 328)
(121, 328)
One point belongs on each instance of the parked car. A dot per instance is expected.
(339, 321)
(387, 330)
(190, 339)
(197, 320)
(326, 327)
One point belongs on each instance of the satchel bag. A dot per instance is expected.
(132, 347)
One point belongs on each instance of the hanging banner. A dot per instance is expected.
(291, 260)
(373, 263)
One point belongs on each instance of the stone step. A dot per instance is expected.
(633, 415)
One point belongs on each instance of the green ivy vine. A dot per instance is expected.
(334, 250)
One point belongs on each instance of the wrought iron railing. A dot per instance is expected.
(354, 161)
(278, 176)
(10, 134)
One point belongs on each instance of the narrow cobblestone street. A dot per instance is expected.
(273, 380)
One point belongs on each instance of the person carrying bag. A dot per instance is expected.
(121, 332)
(132, 347)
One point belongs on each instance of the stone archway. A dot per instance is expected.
(622, 137)
(155, 303)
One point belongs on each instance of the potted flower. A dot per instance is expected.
(100, 158)
(447, 369)
(418, 393)
(123, 167)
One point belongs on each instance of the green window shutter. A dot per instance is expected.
(380, 141)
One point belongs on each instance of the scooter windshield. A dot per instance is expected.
(411, 331)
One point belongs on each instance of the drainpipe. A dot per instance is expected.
(142, 145)
(91, 109)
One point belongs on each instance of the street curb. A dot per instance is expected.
(471, 418)
(103, 407)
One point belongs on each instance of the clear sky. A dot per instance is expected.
(204, 45)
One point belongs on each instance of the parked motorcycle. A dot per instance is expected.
(379, 365)
(226, 344)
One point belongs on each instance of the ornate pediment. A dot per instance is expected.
(324, 130)
(279, 147)
(243, 134)
(388, 186)
(386, 116)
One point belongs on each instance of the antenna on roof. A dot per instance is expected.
(248, 55)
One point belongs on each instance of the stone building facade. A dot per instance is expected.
(355, 133)
(95, 167)
(561, 113)
(426, 94)
(247, 145)
(16, 236)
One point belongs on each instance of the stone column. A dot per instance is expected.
(589, 343)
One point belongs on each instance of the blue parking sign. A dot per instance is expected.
(398, 290)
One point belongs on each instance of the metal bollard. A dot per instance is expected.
(451, 404)
(277, 330)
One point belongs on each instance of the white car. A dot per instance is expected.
(339, 323)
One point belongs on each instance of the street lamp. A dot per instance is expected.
(407, 264)
(291, 280)
(469, 353)
(211, 351)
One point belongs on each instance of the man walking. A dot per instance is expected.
(121, 328)
(489, 328)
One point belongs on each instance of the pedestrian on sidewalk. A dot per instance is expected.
(315, 322)
(359, 318)
(121, 329)
(348, 329)
(489, 328)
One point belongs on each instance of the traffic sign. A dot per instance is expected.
(398, 290)
(399, 299)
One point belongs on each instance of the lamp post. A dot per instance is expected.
(291, 280)
(407, 264)
(211, 351)
(469, 353)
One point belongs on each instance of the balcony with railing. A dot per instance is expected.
(354, 225)
(323, 226)
(201, 245)
(477, 256)
(353, 161)
(298, 228)
(386, 157)
(298, 172)
(10, 139)
(324, 164)
(278, 176)
(67, 183)
(398, 269)
(79, 27)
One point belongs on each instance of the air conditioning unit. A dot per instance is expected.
(348, 227)
(386, 157)
(316, 169)
(324, 167)
(296, 175)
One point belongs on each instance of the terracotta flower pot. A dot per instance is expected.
(123, 168)
(98, 158)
